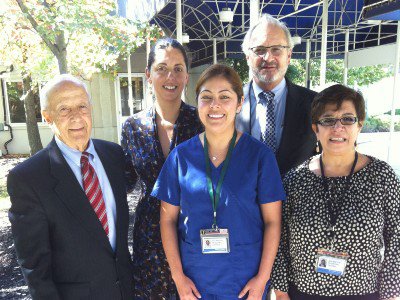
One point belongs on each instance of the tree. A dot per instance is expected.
(19, 45)
(84, 36)
(334, 72)
(363, 76)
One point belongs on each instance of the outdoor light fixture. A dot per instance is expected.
(226, 15)
(185, 38)
(296, 40)
(374, 22)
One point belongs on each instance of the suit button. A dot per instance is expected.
(116, 259)
(117, 282)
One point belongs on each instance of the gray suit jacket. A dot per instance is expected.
(298, 140)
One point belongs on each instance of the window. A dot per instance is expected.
(137, 95)
(16, 108)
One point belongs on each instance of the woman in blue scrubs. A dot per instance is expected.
(221, 196)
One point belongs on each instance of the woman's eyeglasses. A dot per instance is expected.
(273, 50)
(347, 120)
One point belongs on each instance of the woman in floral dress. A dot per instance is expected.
(147, 138)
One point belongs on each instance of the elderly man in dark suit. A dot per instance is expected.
(275, 110)
(69, 211)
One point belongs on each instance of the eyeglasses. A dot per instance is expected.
(330, 122)
(275, 50)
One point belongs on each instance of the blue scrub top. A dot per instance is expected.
(252, 178)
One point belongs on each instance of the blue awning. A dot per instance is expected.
(303, 17)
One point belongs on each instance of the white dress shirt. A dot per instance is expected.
(73, 158)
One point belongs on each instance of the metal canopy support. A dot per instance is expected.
(254, 16)
(130, 96)
(324, 41)
(396, 88)
(178, 8)
(215, 50)
(224, 49)
(346, 56)
(149, 100)
(254, 11)
(308, 50)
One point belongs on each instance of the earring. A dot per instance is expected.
(317, 147)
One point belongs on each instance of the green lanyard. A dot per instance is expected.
(215, 197)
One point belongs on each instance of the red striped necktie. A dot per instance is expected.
(92, 188)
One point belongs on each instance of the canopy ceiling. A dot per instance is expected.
(303, 17)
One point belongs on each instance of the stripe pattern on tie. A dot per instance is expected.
(92, 188)
(268, 136)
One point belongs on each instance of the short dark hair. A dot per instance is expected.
(336, 94)
(163, 44)
(224, 71)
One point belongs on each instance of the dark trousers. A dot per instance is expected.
(295, 294)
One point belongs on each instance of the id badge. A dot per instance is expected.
(214, 241)
(330, 262)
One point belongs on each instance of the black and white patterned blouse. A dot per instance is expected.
(369, 220)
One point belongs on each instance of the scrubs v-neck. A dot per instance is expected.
(252, 178)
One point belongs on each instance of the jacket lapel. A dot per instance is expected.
(290, 121)
(117, 185)
(243, 118)
(72, 195)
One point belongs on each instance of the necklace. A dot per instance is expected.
(215, 157)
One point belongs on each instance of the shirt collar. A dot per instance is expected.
(73, 154)
(278, 90)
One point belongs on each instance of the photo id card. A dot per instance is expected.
(214, 241)
(329, 262)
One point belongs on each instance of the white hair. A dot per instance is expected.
(56, 81)
(266, 19)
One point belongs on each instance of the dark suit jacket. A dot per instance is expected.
(298, 140)
(61, 246)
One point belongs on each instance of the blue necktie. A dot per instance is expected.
(268, 136)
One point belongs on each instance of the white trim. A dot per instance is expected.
(117, 87)
(7, 104)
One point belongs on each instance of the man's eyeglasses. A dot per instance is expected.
(273, 50)
(330, 122)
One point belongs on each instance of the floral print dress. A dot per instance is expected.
(144, 160)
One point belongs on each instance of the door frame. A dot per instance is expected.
(121, 119)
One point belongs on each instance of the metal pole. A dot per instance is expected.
(130, 96)
(178, 8)
(215, 50)
(254, 11)
(346, 56)
(324, 41)
(396, 88)
(149, 100)
(379, 33)
(308, 50)
(224, 49)
(254, 15)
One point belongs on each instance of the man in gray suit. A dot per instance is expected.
(275, 110)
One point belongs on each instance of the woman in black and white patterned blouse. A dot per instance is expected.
(342, 214)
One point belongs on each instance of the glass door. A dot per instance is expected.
(126, 108)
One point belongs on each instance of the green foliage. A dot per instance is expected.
(376, 124)
(334, 72)
(92, 34)
(397, 112)
(296, 71)
(363, 76)
(240, 65)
